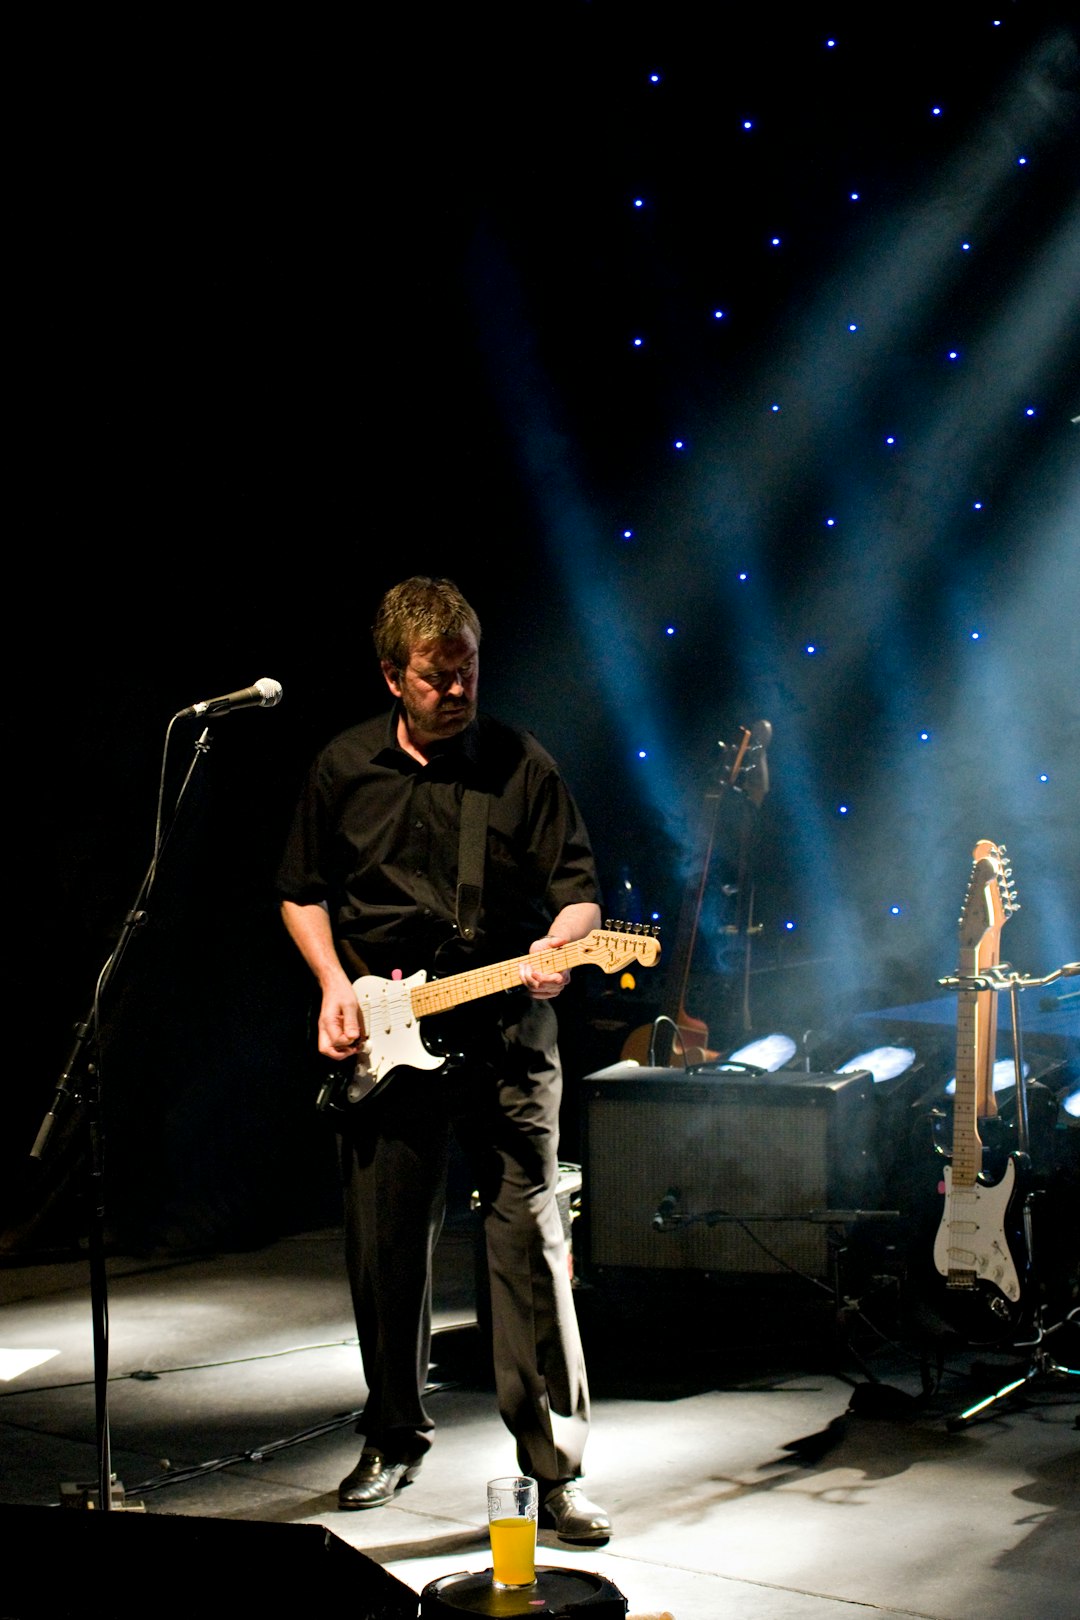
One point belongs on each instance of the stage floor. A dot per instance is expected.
(755, 1463)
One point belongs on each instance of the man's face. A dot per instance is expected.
(437, 688)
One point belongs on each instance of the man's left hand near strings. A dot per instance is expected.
(573, 922)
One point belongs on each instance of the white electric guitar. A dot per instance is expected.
(392, 1009)
(978, 1239)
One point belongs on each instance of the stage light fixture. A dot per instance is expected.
(1004, 1076)
(768, 1052)
(883, 1062)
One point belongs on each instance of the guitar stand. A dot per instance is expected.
(1041, 1363)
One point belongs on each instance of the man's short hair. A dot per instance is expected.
(420, 609)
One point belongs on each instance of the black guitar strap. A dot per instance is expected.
(472, 846)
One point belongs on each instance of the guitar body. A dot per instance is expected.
(980, 1252)
(690, 1046)
(393, 1039)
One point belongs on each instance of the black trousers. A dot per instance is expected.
(504, 1109)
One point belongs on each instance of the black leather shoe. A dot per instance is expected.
(374, 1481)
(568, 1511)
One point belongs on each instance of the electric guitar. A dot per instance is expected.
(979, 1248)
(392, 1009)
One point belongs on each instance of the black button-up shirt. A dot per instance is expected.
(375, 837)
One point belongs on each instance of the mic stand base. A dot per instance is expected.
(89, 1496)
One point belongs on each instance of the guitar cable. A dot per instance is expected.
(676, 1043)
(258, 1453)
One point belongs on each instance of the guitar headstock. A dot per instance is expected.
(989, 901)
(618, 943)
(745, 766)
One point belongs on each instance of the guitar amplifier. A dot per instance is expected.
(673, 1162)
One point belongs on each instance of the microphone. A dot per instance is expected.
(665, 1209)
(263, 695)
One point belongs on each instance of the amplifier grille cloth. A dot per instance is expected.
(746, 1160)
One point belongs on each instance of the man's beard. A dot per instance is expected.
(450, 718)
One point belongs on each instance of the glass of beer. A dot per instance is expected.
(512, 1505)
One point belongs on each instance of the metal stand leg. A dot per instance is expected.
(1041, 1365)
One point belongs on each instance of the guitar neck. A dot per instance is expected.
(976, 1027)
(440, 995)
(677, 979)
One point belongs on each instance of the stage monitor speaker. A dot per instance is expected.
(88, 1565)
(670, 1157)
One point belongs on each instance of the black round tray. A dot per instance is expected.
(559, 1593)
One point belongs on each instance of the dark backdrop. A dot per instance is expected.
(300, 309)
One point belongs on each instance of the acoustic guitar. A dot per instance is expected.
(746, 772)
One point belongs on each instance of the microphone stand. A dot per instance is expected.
(80, 1081)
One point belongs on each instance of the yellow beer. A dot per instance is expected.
(513, 1551)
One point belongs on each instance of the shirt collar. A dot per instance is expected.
(466, 745)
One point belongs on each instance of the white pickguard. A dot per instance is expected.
(393, 1032)
(971, 1245)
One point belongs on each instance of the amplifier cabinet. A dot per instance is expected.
(666, 1155)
